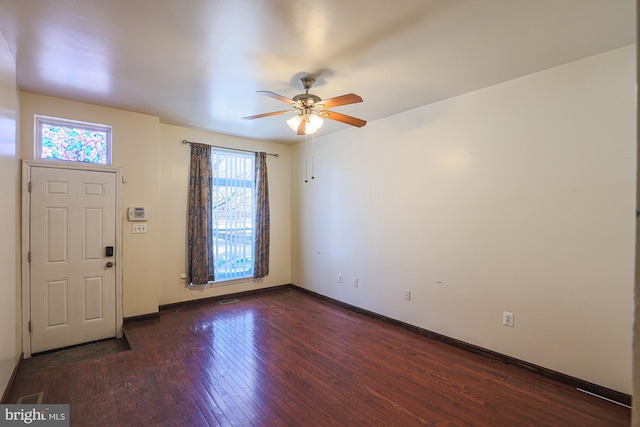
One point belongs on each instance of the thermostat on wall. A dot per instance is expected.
(137, 214)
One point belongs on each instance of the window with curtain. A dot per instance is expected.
(233, 213)
(228, 215)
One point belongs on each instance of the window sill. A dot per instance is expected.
(223, 282)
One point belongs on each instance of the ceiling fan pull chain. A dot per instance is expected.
(306, 157)
(313, 158)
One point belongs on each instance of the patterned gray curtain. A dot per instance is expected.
(261, 254)
(199, 222)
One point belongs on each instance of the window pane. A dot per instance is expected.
(59, 140)
(233, 214)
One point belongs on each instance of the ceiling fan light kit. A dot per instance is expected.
(310, 108)
(313, 123)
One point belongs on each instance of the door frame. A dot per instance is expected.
(26, 233)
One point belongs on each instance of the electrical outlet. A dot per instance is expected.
(340, 278)
(355, 282)
(407, 295)
(507, 319)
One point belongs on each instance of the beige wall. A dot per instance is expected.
(635, 414)
(10, 331)
(518, 197)
(155, 166)
(174, 182)
(135, 142)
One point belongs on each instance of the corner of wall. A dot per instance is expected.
(9, 214)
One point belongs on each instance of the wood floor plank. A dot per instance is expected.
(286, 358)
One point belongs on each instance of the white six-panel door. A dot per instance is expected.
(73, 282)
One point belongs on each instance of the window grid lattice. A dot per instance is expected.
(233, 214)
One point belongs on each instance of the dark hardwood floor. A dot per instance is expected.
(285, 358)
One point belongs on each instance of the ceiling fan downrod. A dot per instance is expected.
(307, 99)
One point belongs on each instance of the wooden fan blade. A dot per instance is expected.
(343, 118)
(350, 98)
(274, 113)
(276, 96)
(302, 127)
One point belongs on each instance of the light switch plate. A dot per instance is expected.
(139, 228)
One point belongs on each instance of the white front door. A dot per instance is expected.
(73, 281)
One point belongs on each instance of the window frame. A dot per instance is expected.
(57, 121)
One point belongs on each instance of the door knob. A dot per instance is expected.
(109, 264)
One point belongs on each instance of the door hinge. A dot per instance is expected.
(29, 326)
(29, 256)
(30, 186)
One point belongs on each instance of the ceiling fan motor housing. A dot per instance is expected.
(306, 104)
(307, 99)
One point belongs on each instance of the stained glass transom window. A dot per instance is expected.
(72, 141)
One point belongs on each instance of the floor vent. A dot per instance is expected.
(32, 399)
(229, 301)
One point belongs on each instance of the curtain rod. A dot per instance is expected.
(184, 141)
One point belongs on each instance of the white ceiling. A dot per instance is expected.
(199, 63)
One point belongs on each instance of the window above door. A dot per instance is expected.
(72, 141)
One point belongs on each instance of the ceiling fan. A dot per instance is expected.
(311, 109)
